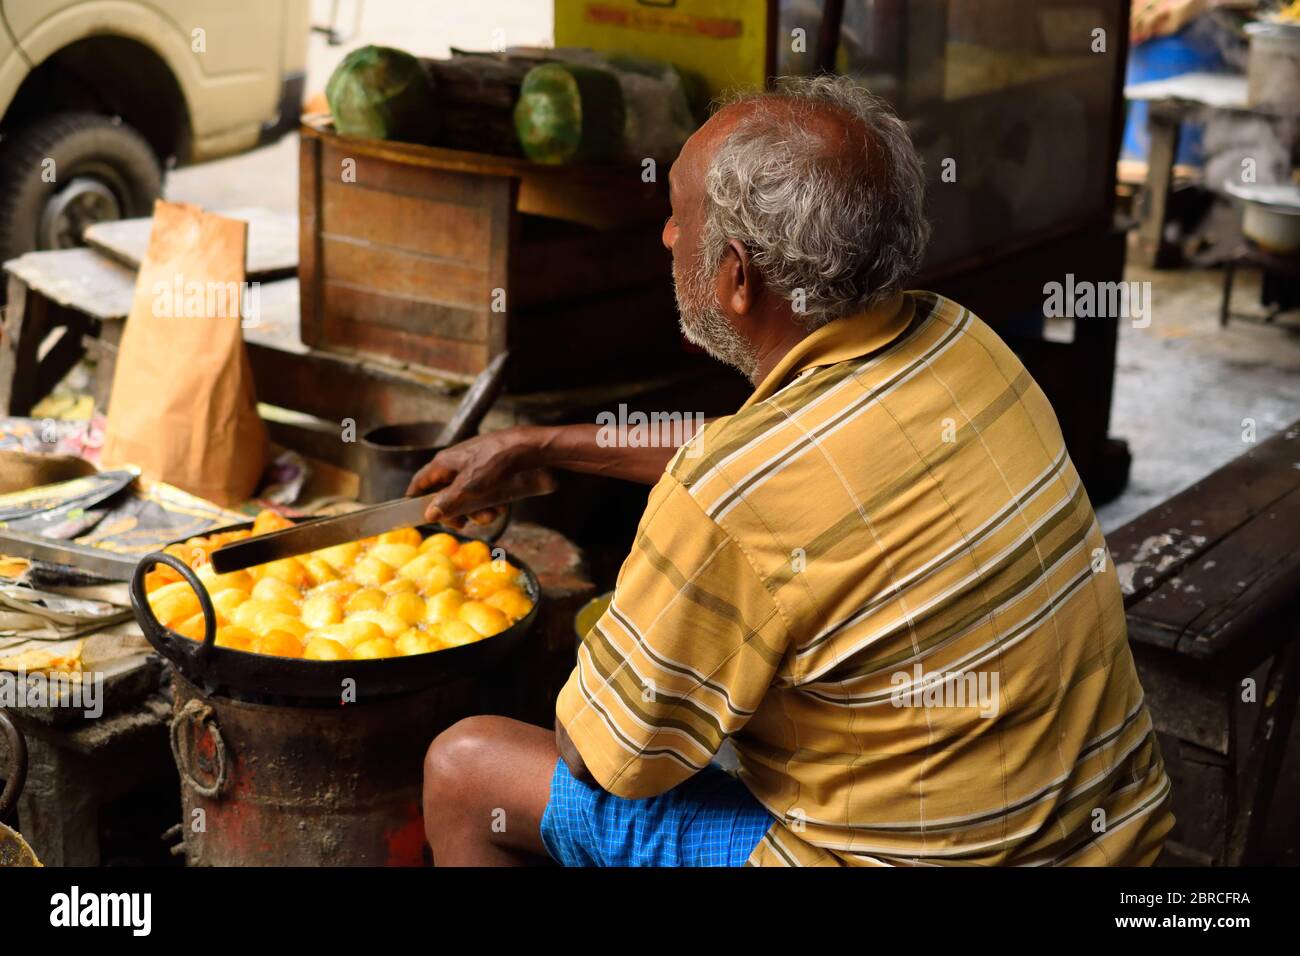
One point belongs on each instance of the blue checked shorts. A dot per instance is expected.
(709, 820)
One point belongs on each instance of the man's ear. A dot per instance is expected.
(737, 280)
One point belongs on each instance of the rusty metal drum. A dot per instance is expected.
(265, 785)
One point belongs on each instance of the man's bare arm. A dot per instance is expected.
(514, 463)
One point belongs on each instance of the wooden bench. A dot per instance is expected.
(1212, 590)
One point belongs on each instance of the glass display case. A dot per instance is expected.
(1013, 104)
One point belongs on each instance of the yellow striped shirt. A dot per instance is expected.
(883, 581)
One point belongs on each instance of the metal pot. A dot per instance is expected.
(1270, 216)
(1273, 67)
(14, 850)
(292, 786)
(262, 679)
(391, 454)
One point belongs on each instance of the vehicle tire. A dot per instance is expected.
(102, 170)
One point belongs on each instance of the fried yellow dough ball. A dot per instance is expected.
(274, 589)
(340, 557)
(400, 586)
(173, 603)
(394, 555)
(268, 520)
(408, 608)
(277, 644)
(319, 571)
(443, 606)
(487, 579)
(440, 543)
(457, 633)
(254, 610)
(414, 641)
(288, 570)
(191, 627)
(367, 599)
(235, 638)
(390, 624)
(408, 536)
(325, 649)
(321, 609)
(431, 572)
(358, 632)
(471, 554)
(372, 572)
(215, 582)
(289, 623)
(484, 618)
(340, 588)
(375, 649)
(225, 602)
(512, 602)
(348, 634)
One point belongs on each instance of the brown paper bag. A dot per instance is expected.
(182, 407)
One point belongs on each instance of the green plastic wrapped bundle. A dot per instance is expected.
(382, 93)
(569, 113)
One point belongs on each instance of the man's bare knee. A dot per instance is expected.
(456, 757)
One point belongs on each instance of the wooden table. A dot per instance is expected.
(1280, 279)
(1212, 590)
(1171, 101)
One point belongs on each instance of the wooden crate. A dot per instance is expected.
(443, 258)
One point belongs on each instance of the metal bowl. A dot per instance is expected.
(259, 678)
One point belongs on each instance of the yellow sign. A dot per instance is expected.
(725, 43)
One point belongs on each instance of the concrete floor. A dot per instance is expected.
(1184, 385)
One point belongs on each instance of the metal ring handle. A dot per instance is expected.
(498, 527)
(141, 600)
(495, 528)
(195, 711)
(18, 773)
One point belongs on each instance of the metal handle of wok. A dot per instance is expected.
(495, 528)
(161, 637)
(17, 775)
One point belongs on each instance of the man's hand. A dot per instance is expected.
(569, 754)
(493, 469)
(482, 473)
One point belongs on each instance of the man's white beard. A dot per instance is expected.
(703, 323)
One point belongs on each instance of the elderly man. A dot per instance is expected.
(880, 579)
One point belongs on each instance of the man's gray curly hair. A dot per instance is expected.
(833, 235)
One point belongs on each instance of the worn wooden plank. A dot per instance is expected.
(272, 241)
(435, 352)
(418, 182)
(309, 240)
(450, 231)
(80, 279)
(499, 206)
(403, 273)
(1160, 544)
(1211, 574)
(364, 318)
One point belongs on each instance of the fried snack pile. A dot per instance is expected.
(394, 595)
